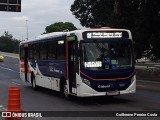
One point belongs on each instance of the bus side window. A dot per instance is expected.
(60, 48)
(52, 50)
(43, 51)
(33, 51)
(21, 52)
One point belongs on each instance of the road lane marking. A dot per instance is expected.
(149, 81)
(2, 108)
(143, 86)
(16, 80)
(8, 69)
(16, 83)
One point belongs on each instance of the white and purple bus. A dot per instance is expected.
(92, 62)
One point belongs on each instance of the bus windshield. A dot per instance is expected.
(106, 55)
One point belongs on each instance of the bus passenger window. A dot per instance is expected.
(36, 52)
(43, 51)
(60, 50)
(52, 50)
(21, 52)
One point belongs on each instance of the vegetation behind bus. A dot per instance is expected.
(8, 43)
(59, 27)
(142, 17)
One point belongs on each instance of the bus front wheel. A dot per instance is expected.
(34, 86)
(64, 90)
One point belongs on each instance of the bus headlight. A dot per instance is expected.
(87, 82)
(133, 78)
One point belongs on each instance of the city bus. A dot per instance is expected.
(83, 63)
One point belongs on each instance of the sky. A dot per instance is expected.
(36, 14)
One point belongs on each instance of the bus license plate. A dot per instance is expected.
(109, 93)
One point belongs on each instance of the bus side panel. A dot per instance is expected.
(49, 72)
(54, 69)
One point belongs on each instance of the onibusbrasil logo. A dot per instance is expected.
(20, 114)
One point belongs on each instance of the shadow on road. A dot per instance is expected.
(85, 101)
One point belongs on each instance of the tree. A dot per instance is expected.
(93, 13)
(8, 43)
(142, 17)
(60, 26)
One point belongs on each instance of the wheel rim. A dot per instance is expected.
(65, 91)
(34, 84)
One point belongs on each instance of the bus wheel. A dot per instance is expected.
(34, 86)
(64, 91)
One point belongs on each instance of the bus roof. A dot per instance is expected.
(78, 33)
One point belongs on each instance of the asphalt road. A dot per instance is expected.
(147, 98)
(148, 65)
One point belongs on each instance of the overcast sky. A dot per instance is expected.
(39, 13)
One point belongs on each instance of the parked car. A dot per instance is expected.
(1, 58)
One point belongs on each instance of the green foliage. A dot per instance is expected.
(8, 43)
(142, 17)
(60, 26)
(93, 13)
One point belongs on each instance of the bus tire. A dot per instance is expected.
(34, 86)
(64, 90)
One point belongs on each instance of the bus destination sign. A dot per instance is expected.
(104, 34)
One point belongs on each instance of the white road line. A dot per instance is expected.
(8, 69)
(16, 83)
(149, 81)
(2, 108)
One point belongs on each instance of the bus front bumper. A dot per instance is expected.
(84, 90)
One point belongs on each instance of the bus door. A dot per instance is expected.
(72, 64)
(26, 61)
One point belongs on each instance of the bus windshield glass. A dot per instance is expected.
(106, 54)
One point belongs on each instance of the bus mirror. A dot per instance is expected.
(71, 38)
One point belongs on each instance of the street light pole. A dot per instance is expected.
(27, 28)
